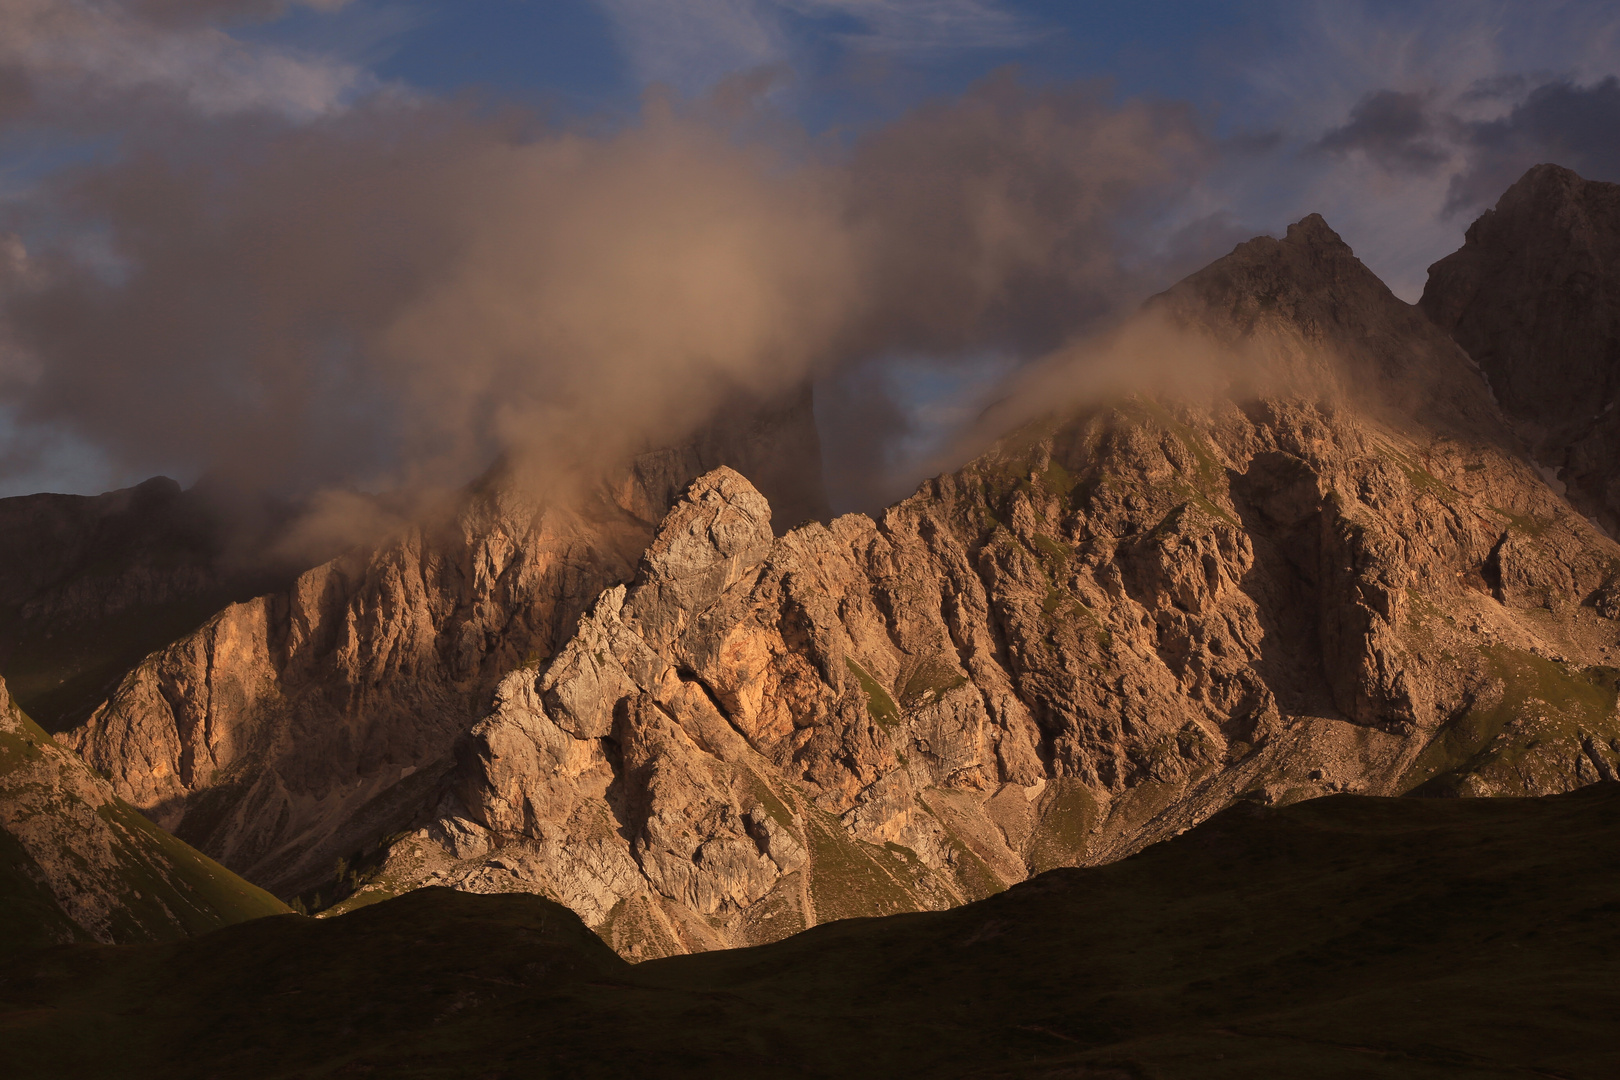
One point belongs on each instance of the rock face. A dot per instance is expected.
(80, 864)
(294, 728)
(1342, 574)
(1113, 624)
(1534, 298)
(92, 584)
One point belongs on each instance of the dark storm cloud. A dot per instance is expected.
(1577, 127)
(1392, 128)
(1558, 121)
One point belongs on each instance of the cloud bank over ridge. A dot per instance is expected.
(267, 263)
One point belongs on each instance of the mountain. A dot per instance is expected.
(1338, 937)
(95, 583)
(79, 864)
(1342, 572)
(291, 729)
(1120, 620)
(1534, 297)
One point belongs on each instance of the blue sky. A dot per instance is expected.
(1161, 131)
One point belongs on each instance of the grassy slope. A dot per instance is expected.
(157, 875)
(1343, 937)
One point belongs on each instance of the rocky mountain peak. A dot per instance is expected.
(1313, 231)
(1309, 318)
(338, 699)
(1534, 298)
(1118, 620)
(1340, 575)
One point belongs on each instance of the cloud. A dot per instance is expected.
(402, 292)
(1391, 128)
(77, 61)
(1395, 93)
(395, 294)
(1570, 125)
(1424, 134)
(693, 44)
(181, 12)
(994, 226)
(1001, 218)
(923, 26)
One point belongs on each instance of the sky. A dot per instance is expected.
(308, 246)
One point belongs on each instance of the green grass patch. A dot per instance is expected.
(1056, 480)
(1068, 814)
(774, 807)
(199, 891)
(1543, 702)
(929, 681)
(1058, 553)
(1528, 524)
(879, 705)
(849, 878)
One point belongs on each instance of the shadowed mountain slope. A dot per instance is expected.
(92, 584)
(79, 864)
(1533, 295)
(1340, 937)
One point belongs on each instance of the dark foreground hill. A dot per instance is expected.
(1346, 936)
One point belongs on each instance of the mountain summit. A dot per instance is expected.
(1534, 297)
(1119, 620)
(1325, 564)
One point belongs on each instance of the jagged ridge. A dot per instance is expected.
(1111, 626)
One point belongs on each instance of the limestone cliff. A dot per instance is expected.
(1116, 622)
(78, 863)
(1343, 573)
(1533, 295)
(293, 728)
(92, 584)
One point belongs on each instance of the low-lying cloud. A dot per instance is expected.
(271, 268)
(398, 293)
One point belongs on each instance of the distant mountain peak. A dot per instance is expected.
(1533, 296)
(1314, 231)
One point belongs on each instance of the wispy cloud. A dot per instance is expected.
(61, 57)
(1397, 123)
(924, 26)
(692, 44)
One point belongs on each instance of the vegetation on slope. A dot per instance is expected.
(79, 863)
(1340, 937)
